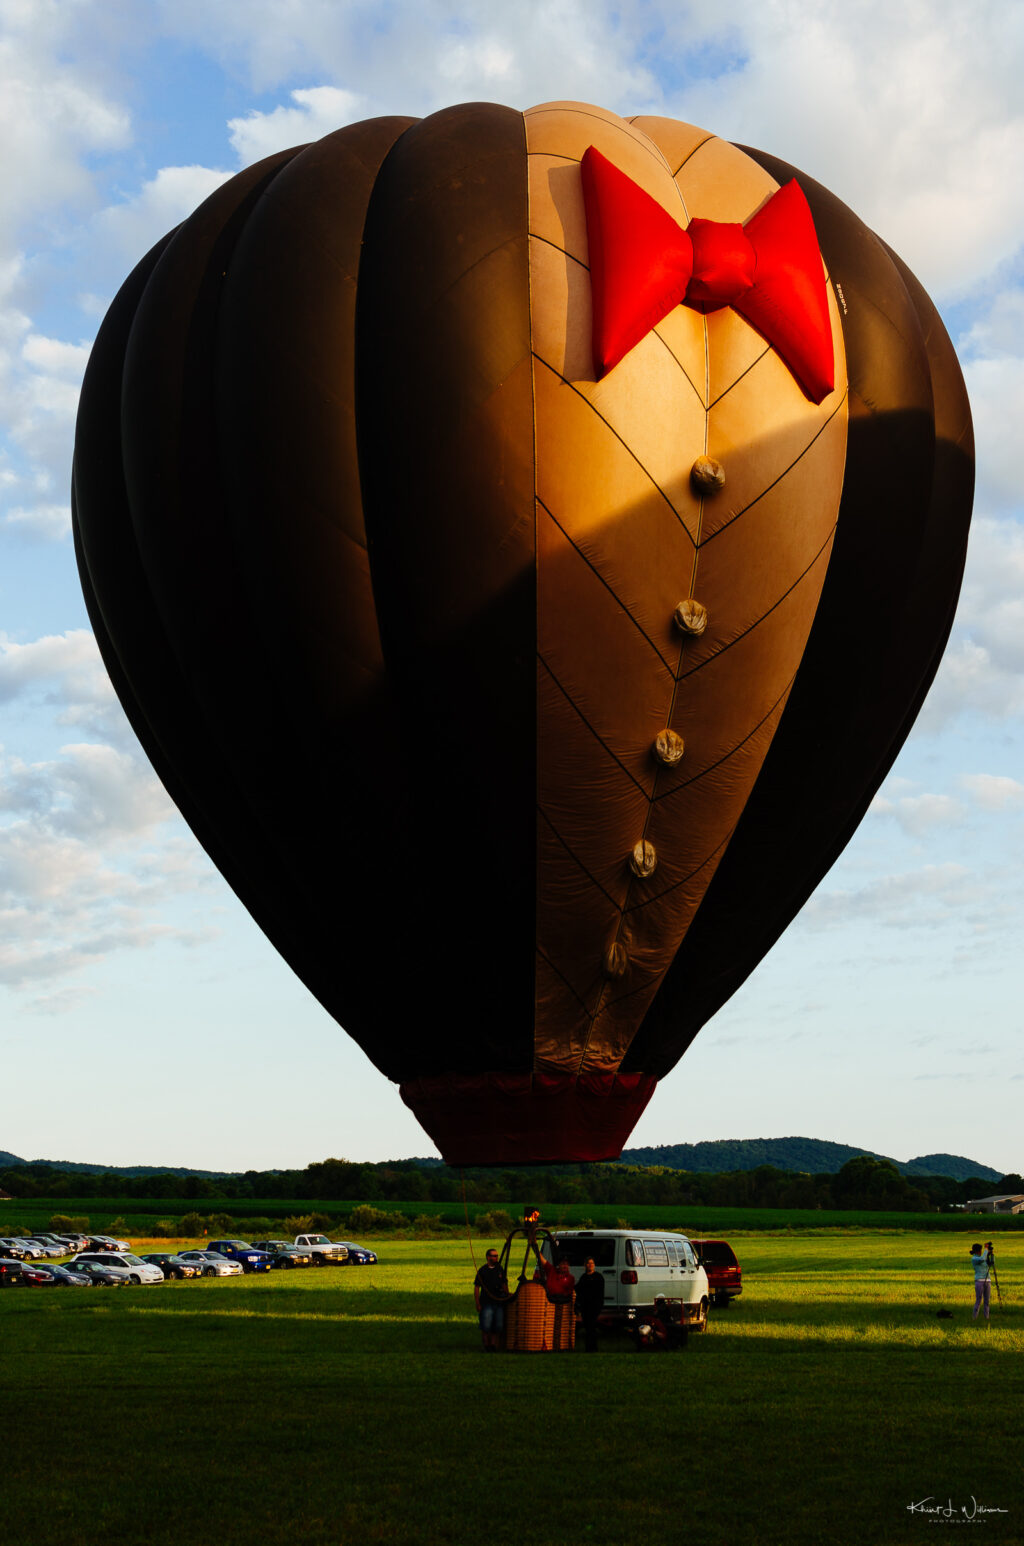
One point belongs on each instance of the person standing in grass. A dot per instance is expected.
(981, 1261)
(490, 1290)
(590, 1302)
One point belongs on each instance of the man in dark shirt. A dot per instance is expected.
(590, 1302)
(490, 1289)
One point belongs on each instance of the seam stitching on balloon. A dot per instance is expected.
(613, 431)
(654, 332)
(563, 978)
(574, 856)
(717, 655)
(510, 241)
(738, 746)
(722, 395)
(668, 890)
(535, 236)
(784, 473)
(577, 112)
(597, 736)
(607, 585)
(536, 573)
(688, 158)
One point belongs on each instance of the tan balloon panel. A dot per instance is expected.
(620, 537)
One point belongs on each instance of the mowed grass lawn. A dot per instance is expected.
(348, 1405)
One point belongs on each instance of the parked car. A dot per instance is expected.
(35, 1275)
(51, 1245)
(285, 1254)
(10, 1272)
(138, 1270)
(637, 1265)
(249, 1256)
(212, 1264)
(107, 1243)
(17, 1249)
(101, 1276)
(358, 1255)
(172, 1265)
(75, 1242)
(724, 1272)
(65, 1277)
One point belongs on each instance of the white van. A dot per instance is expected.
(637, 1264)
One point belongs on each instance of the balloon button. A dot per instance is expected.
(707, 475)
(616, 960)
(669, 747)
(690, 617)
(643, 861)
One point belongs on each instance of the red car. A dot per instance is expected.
(725, 1274)
(36, 1277)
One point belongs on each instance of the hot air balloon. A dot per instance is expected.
(521, 543)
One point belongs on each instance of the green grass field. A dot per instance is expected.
(349, 1405)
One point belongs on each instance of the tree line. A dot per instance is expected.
(863, 1182)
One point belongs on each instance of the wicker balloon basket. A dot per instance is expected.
(533, 1324)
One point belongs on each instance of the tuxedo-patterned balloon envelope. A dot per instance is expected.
(522, 542)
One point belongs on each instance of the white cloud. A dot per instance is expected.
(67, 665)
(413, 58)
(40, 379)
(920, 898)
(992, 791)
(920, 814)
(50, 523)
(53, 357)
(317, 111)
(911, 113)
(92, 851)
(51, 119)
(983, 668)
(91, 792)
(131, 227)
(1000, 331)
(996, 390)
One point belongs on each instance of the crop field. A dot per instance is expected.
(347, 1405)
(141, 1214)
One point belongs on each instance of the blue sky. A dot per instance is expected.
(143, 1018)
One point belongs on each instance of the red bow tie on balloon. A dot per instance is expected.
(642, 265)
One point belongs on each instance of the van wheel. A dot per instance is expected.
(701, 1323)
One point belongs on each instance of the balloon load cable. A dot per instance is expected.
(465, 1209)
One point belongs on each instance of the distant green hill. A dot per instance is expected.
(815, 1156)
(949, 1165)
(11, 1161)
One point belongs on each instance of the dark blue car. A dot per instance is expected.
(358, 1255)
(247, 1256)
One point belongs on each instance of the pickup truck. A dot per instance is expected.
(323, 1251)
(248, 1257)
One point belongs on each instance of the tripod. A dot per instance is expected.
(991, 1258)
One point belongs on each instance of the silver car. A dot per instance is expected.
(21, 1247)
(212, 1264)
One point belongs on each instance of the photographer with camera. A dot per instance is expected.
(983, 1261)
